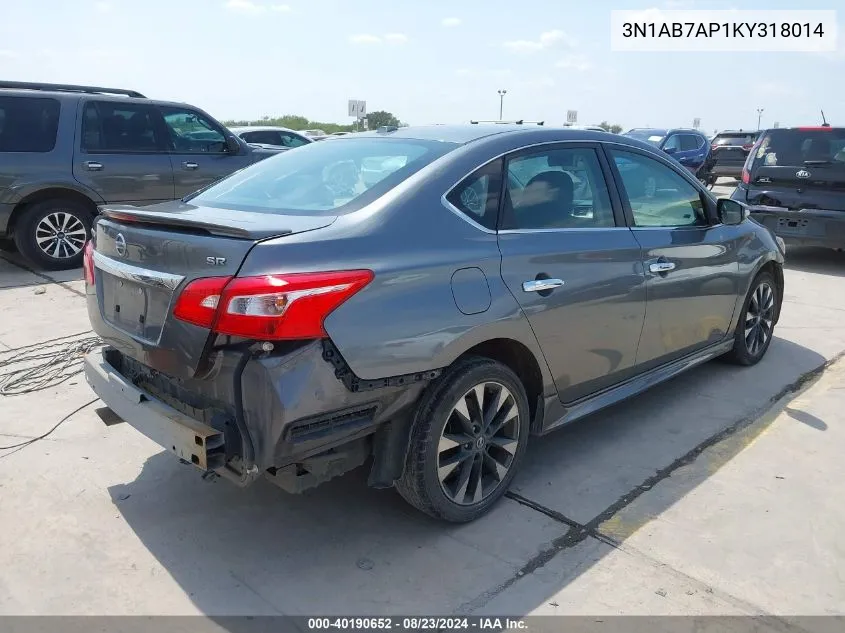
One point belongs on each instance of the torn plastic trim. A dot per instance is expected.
(355, 384)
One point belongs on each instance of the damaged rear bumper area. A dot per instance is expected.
(297, 416)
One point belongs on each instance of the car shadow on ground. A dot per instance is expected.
(344, 549)
(821, 261)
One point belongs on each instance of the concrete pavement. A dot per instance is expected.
(691, 499)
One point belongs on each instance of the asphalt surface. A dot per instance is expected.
(715, 493)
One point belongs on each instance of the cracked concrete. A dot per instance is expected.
(716, 493)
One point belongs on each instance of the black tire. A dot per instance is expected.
(420, 484)
(35, 221)
(7, 245)
(743, 352)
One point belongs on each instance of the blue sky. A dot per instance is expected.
(427, 62)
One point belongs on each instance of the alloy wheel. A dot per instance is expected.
(759, 318)
(478, 443)
(60, 235)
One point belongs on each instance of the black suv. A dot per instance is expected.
(794, 183)
(728, 151)
(66, 149)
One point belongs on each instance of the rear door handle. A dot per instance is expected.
(189, 165)
(92, 165)
(538, 285)
(661, 267)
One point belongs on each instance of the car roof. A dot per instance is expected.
(100, 96)
(461, 134)
(262, 128)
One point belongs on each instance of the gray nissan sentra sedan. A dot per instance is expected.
(485, 283)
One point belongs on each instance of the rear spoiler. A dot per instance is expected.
(135, 215)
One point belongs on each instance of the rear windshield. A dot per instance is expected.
(796, 148)
(340, 176)
(741, 138)
(28, 124)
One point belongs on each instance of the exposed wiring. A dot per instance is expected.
(45, 364)
(32, 440)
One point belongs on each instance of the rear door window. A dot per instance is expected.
(740, 139)
(690, 142)
(121, 127)
(28, 124)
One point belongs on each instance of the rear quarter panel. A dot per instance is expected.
(407, 320)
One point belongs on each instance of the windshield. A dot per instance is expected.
(340, 176)
(655, 137)
(797, 147)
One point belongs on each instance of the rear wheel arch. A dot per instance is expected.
(50, 193)
(522, 361)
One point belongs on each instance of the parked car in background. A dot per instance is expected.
(314, 133)
(728, 152)
(427, 320)
(689, 147)
(272, 136)
(794, 183)
(66, 149)
(594, 128)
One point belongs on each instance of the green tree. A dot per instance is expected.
(607, 127)
(379, 118)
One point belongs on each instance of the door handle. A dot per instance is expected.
(189, 165)
(661, 267)
(538, 285)
(92, 165)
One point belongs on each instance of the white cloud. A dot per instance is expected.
(369, 38)
(365, 38)
(103, 7)
(546, 40)
(575, 62)
(449, 22)
(9, 54)
(679, 4)
(248, 7)
(460, 72)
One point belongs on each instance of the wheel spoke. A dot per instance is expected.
(505, 443)
(495, 466)
(56, 249)
(478, 472)
(463, 482)
(506, 415)
(448, 465)
(450, 441)
(478, 418)
(66, 219)
(41, 240)
(462, 413)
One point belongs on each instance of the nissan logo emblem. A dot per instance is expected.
(120, 244)
(802, 173)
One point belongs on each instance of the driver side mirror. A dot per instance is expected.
(670, 150)
(232, 144)
(731, 212)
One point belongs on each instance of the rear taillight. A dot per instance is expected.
(746, 177)
(748, 146)
(714, 147)
(269, 307)
(198, 302)
(88, 263)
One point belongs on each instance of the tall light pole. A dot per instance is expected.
(502, 94)
(759, 116)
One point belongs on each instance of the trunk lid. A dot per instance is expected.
(143, 259)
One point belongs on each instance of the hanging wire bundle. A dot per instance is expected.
(44, 365)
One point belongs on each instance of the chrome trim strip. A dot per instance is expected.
(136, 274)
(571, 229)
(463, 216)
